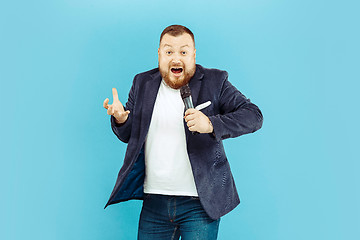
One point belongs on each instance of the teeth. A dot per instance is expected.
(179, 70)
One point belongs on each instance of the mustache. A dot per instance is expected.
(177, 65)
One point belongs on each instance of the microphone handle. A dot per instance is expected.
(188, 103)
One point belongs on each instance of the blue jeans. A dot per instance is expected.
(169, 217)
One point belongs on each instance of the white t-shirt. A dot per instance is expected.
(167, 166)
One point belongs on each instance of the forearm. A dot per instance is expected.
(236, 115)
(247, 119)
(122, 131)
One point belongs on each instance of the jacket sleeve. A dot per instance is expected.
(237, 115)
(123, 131)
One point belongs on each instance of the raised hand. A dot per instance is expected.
(116, 109)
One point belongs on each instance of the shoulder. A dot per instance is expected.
(212, 72)
(147, 75)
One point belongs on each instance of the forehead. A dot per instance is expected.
(178, 41)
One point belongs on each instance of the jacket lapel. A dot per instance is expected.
(195, 85)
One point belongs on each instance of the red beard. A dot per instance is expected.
(179, 82)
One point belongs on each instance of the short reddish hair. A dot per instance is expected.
(177, 30)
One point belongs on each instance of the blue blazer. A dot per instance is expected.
(231, 115)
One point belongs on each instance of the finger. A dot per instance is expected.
(121, 115)
(115, 94)
(190, 111)
(192, 129)
(190, 117)
(106, 105)
(110, 110)
(190, 123)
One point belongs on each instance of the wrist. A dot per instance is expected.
(119, 122)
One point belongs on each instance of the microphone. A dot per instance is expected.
(186, 96)
(185, 93)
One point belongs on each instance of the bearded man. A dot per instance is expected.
(184, 179)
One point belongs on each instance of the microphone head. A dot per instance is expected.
(185, 91)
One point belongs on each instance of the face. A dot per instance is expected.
(177, 59)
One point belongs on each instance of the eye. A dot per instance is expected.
(183, 53)
(168, 52)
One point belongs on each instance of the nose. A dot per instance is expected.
(176, 62)
(176, 59)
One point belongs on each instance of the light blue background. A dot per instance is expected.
(298, 177)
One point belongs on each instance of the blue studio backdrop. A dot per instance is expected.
(298, 177)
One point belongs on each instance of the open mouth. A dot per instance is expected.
(176, 70)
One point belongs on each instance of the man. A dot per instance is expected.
(183, 178)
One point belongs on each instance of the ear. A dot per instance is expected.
(195, 52)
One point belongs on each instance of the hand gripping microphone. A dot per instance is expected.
(186, 97)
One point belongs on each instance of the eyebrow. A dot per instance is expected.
(168, 45)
